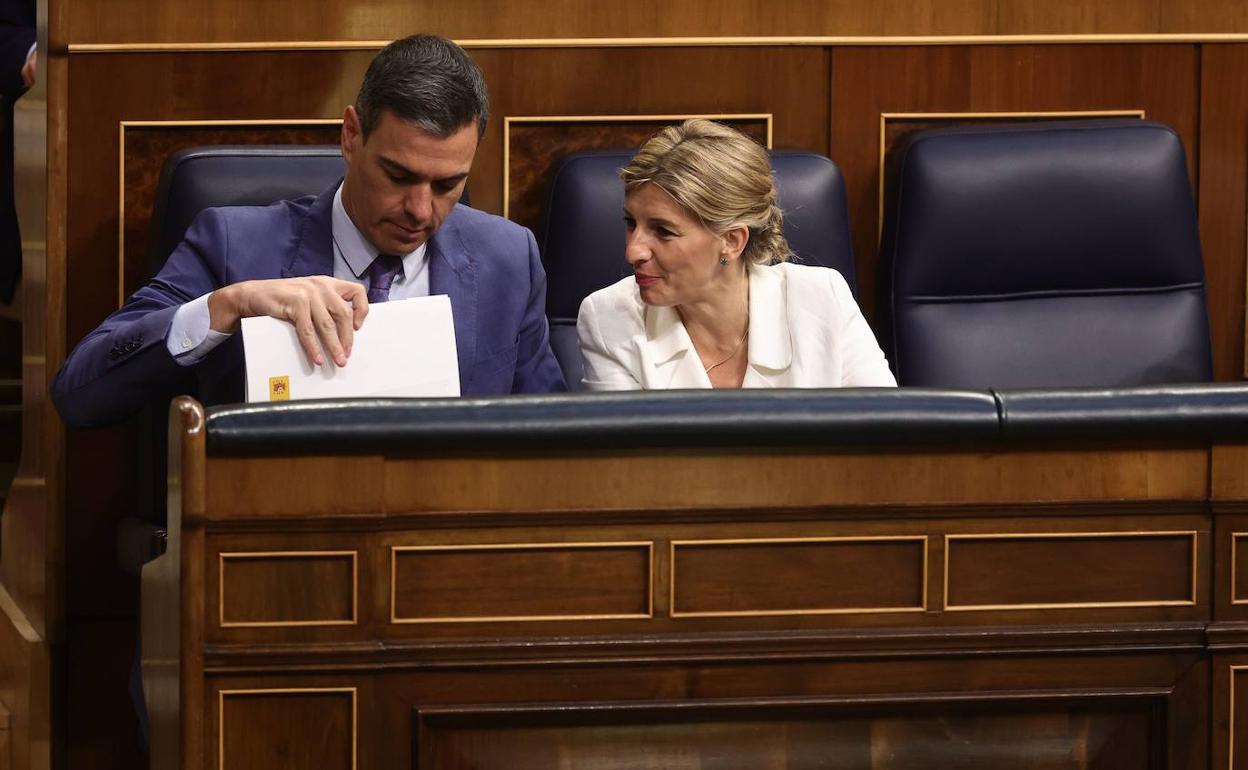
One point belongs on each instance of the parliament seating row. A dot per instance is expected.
(1063, 253)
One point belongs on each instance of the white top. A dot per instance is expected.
(806, 331)
(189, 338)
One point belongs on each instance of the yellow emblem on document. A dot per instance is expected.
(279, 388)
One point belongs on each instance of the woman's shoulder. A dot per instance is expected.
(813, 281)
(617, 306)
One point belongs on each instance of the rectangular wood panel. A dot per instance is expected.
(798, 576)
(1237, 716)
(1223, 198)
(466, 583)
(293, 588)
(1116, 731)
(1043, 570)
(294, 729)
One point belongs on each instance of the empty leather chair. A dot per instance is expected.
(583, 239)
(1053, 254)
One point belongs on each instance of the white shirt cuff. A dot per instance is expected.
(190, 337)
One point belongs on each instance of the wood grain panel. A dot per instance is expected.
(691, 479)
(327, 485)
(1161, 80)
(220, 20)
(788, 83)
(791, 577)
(296, 728)
(1021, 571)
(1229, 473)
(1237, 714)
(287, 588)
(521, 582)
(1223, 199)
(1077, 733)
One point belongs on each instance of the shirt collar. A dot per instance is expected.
(354, 249)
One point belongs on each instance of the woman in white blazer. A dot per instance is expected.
(712, 301)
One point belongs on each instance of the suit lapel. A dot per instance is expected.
(314, 254)
(668, 359)
(451, 272)
(771, 347)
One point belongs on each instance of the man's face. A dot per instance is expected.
(402, 181)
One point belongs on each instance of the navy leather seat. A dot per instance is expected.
(583, 240)
(192, 180)
(1054, 254)
(233, 175)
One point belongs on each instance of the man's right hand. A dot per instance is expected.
(326, 312)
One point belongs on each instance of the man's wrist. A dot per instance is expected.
(223, 313)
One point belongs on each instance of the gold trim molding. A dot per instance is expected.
(355, 719)
(1235, 599)
(1195, 555)
(452, 548)
(121, 168)
(885, 117)
(671, 593)
(1230, 717)
(671, 42)
(256, 555)
(766, 117)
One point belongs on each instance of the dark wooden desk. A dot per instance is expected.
(1056, 604)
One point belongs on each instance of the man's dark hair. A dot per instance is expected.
(427, 80)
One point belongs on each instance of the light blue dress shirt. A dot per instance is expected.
(190, 337)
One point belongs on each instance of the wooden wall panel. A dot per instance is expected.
(1162, 80)
(785, 82)
(97, 21)
(1223, 195)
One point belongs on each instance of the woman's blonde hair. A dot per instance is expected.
(720, 175)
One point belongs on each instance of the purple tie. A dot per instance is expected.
(381, 274)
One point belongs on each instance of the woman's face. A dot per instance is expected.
(674, 257)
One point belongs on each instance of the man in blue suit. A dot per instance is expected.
(392, 229)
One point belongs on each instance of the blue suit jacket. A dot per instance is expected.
(487, 265)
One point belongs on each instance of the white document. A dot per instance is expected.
(405, 348)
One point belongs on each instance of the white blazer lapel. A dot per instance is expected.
(668, 359)
(771, 347)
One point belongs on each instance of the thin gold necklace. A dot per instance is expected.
(736, 348)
